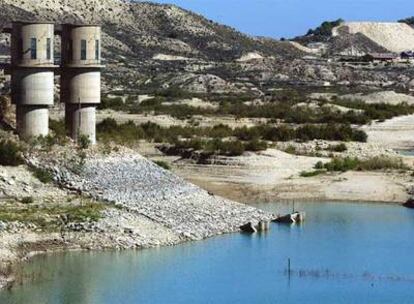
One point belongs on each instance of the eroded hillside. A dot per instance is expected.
(392, 36)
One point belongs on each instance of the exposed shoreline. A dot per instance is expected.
(143, 206)
(263, 177)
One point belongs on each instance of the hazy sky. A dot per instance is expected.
(288, 18)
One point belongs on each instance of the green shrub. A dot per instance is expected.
(409, 21)
(311, 173)
(319, 165)
(89, 212)
(382, 163)
(163, 164)
(11, 153)
(84, 142)
(27, 200)
(338, 148)
(59, 131)
(42, 174)
(111, 103)
(256, 145)
(372, 164)
(291, 150)
(325, 29)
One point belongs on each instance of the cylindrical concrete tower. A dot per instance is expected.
(81, 78)
(32, 66)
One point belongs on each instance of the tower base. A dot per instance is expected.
(32, 121)
(81, 120)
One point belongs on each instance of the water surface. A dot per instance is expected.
(344, 253)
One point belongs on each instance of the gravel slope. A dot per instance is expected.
(133, 183)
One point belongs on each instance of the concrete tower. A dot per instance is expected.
(32, 66)
(81, 78)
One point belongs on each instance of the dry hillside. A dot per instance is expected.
(146, 29)
(395, 37)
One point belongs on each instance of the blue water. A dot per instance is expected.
(344, 253)
(406, 152)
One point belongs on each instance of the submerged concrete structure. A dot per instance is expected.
(81, 78)
(32, 76)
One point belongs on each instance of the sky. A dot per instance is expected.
(289, 18)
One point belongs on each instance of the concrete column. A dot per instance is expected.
(81, 78)
(32, 76)
(32, 121)
(81, 120)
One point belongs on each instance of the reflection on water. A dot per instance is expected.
(343, 253)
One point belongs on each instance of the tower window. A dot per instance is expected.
(20, 48)
(70, 50)
(97, 50)
(33, 48)
(48, 48)
(83, 49)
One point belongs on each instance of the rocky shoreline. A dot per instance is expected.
(142, 206)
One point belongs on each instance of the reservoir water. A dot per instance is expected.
(344, 253)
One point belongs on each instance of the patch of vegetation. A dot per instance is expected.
(281, 106)
(372, 164)
(163, 164)
(4, 109)
(27, 200)
(116, 103)
(354, 164)
(291, 150)
(312, 173)
(90, 212)
(129, 133)
(337, 148)
(409, 20)
(376, 111)
(11, 153)
(218, 146)
(56, 137)
(49, 218)
(83, 142)
(45, 176)
(325, 29)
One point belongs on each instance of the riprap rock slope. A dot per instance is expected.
(132, 183)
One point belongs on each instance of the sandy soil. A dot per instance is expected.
(275, 176)
(234, 183)
(395, 133)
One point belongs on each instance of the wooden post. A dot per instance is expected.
(289, 271)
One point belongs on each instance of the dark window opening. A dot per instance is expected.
(33, 48)
(83, 49)
(70, 50)
(20, 48)
(97, 50)
(48, 48)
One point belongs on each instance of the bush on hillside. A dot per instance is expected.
(42, 174)
(325, 29)
(372, 164)
(409, 21)
(11, 153)
(163, 164)
(337, 148)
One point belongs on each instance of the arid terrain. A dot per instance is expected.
(198, 121)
